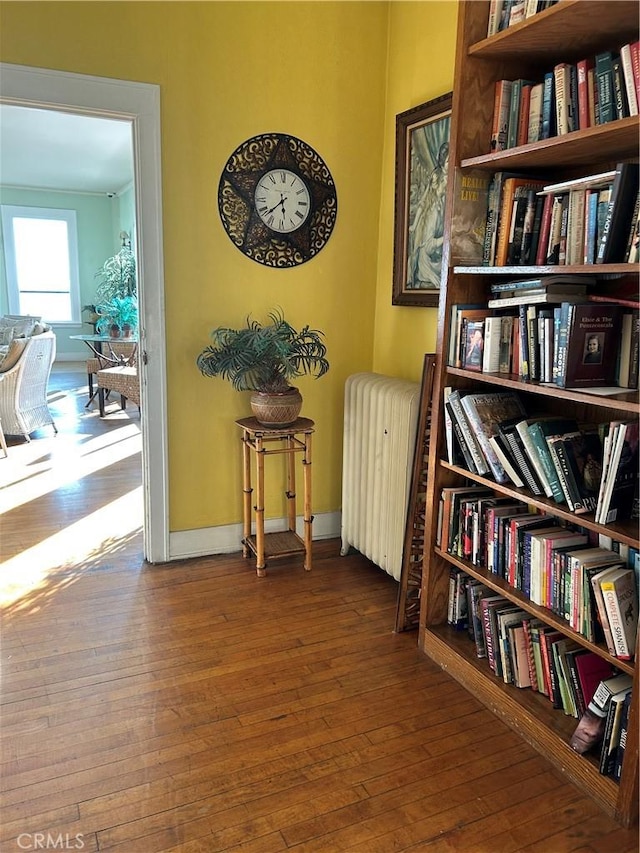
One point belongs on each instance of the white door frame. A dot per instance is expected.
(138, 103)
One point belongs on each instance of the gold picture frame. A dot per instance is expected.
(422, 165)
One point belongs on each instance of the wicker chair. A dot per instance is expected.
(23, 389)
(123, 380)
(125, 351)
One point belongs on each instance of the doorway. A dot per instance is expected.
(138, 103)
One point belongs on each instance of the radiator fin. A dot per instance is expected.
(380, 422)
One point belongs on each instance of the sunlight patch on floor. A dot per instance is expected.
(34, 469)
(34, 569)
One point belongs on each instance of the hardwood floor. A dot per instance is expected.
(194, 707)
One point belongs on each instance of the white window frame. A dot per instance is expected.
(11, 212)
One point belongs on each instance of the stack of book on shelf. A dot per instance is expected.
(591, 588)
(550, 329)
(604, 724)
(569, 96)
(589, 220)
(593, 468)
(506, 13)
(619, 479)
(526, 652)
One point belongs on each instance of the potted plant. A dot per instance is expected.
(262, 359)
(118, 274)
(118, 317)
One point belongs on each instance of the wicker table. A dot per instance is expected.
(289, 440)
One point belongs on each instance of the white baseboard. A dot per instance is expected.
(226, 539)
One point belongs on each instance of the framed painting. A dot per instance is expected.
(422, 163)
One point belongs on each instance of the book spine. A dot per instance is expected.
(569, 485)
(534, 128)
(548, 107)
(618, 218)
(627, 72)
(619, 89)
(582, 68)
(495, 11)
(492, 338)
(458, 413)
(531, 450)
(545, 228)
(561, 80)
(604, 81)
(468, 458)
(635, 67)
(616, 620)
(514, 114)
(538, 439)
(622, 743)
(482, 439)
(518, 454)
(501, 108)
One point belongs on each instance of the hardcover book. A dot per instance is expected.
(611, 736)
(539, 430)
(588, 344)
(484, 412)
(622, 474)
(621, 604)
(469, 220)
(615, 230)
(592, 669)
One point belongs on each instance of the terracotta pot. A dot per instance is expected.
(114, 331)
(277, 409)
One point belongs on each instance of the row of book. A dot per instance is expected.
(506, 13)
(527, 653)
(593, 468)
(593, 588)
(571, 343)
(588, 220)
(572, 96)
(604, 725)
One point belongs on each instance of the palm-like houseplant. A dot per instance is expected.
(118, 317)
(263, 358)
(116, 294)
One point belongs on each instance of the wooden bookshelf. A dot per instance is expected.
(567, 31)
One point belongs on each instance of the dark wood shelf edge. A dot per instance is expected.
(529, 719)
(595, 270)
(623, 400)
(623, 533)
(570, 149)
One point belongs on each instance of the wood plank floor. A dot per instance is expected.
(194, 707)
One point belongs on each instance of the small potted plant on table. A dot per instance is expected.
(262, 359)
(118, 317)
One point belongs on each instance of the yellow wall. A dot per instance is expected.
(421, 59)
(228, 71)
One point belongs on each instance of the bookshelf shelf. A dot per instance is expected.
(500, 586)
(572, 149)
(546, 34)
(530, 714)
(566, 32)
(626, 532)
(622, 400)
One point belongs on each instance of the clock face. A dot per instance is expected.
(277, 200)
(282, 200)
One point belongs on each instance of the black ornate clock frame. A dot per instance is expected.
(236, 203)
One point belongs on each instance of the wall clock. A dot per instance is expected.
(277, 200)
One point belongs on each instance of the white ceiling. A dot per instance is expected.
(46, 149)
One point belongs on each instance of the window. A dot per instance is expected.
(41, 258)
